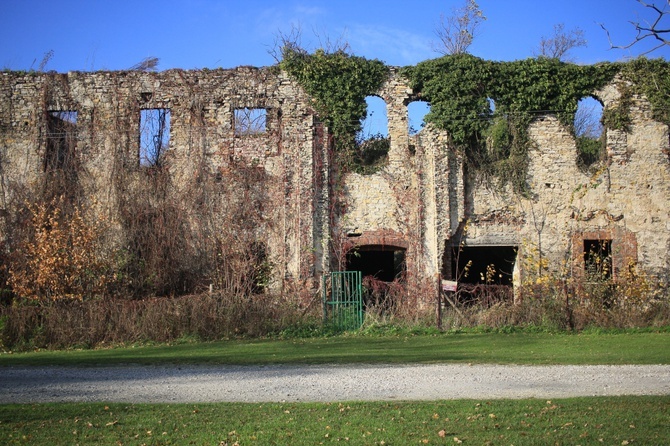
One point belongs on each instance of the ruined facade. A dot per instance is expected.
(414, 216)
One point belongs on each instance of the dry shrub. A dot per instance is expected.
(635, 300)
(97, 322)
(156, 255)
(180, 242)
(58, 257)
(393, 302)
(239, 210)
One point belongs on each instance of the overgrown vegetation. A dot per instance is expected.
(96, 323)
(64, 269)
(339, 83)
(461, 89)
(60, 257)
(651, 78)
(485, 106)
(371, 154)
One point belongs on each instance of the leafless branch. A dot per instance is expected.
(43, 63)
(559, 45)
(457, 31)
(647, 30)
(291, 40)
(147, 64)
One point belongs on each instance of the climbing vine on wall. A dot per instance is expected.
(485, 106)
(339, 83)
(651, 78)
(462, 88)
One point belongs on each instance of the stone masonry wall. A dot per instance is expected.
(203, 141)
(625, 201)
(422, 200)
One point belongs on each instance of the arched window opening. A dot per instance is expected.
(375, 123)
(500, 133)
(589, 132)
(417, 111)
(372, 142)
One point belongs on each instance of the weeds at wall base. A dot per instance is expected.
(205, 317)
(95, 323)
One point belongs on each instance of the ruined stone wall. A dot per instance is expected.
(203, 144)
(422, 201)
(425, 196)
(625, 199)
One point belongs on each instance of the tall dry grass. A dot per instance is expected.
(65, 324)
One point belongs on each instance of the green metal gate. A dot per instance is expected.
(343, 300)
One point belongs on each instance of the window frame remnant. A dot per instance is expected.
(154, 135)
(250, 121)
(598, 264)
(61, 139)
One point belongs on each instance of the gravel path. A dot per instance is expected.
(325, 383)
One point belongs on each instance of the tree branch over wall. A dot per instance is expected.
(648, 30)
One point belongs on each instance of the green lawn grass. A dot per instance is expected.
(603, 420)
(514, 348)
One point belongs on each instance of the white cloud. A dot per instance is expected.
(309, 10)
(392, 45)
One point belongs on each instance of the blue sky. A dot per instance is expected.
(111, 35)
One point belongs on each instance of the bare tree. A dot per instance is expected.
(286, 41)
(587, 119)
(457, 31)
(559, 45)
(658, 29)
(292, 42)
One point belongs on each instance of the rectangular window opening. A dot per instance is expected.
(597, 260)
(483, 265)
(61, 138)
(250, 121)
(154, 136)
(485, 274)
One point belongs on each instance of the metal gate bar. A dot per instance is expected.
(343, 305)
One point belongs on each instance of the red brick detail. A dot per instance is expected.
(624, 249)
(381, 237)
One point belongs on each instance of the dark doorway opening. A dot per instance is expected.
(484, 273)
(382, 269)
(381, 262)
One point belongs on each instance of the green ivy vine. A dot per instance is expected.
(486, 107)
(651, 78)
(461, 89)
(339, 83)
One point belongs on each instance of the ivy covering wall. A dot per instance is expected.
(339, 83)
(462, 89)
(485, 106)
